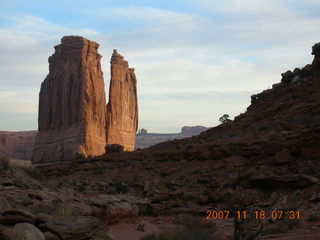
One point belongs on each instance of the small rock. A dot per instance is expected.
(315, 197)
(43, 218)
(103, 235)
(4, 204)
(79, 227)
(26, 231)
(51, 236)
(141, 225)
(14, 216)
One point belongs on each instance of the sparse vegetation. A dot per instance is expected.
(4, 163)
(65, 208)
(305, 120)
(99, 171)
(188, 196)
(33, 172)
(121, 187)
(163, 173)
(282, 226)
(263, 127)
(224, 118)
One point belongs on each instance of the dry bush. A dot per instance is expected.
(65, 208)
(4, 163)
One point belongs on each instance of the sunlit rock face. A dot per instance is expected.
(72, 104)
(122, 109)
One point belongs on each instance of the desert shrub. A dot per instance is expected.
(64, 208)
(196, 171)
(99, 171)
(188, 196)
(121, 187)
(163, 236)
(148, 211)
(224, 118)
(33, 172)
(135, 179)
(314, 217)
(4, 163)
(202, 158)
(305, 120)
(282, 226)
(163, 173)
(263, 127)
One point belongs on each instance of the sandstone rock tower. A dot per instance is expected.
(72, 104)
(122, 109)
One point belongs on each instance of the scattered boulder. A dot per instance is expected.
(43, 218)
(287, 77)
(73, 228)
(13, 216)
(4, 204)
(26, 231)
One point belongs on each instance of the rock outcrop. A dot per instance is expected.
(122, 109)
(17, 145)
(72, 104)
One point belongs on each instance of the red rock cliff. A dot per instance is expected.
(71, 104)
(122, 109)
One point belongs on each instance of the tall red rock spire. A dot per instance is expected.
(122, 109)
(72, 104)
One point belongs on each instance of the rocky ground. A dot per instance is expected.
(267, 160)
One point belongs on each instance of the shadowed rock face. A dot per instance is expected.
(71, 104)
(122, 109)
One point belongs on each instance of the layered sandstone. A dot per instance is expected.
(122, 109)
(17, 145)
(72, 104)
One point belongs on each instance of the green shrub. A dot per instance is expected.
(4, 163)
(188, 196)
(99, 171)
(121, 187)
(163, 173)
(33, 172)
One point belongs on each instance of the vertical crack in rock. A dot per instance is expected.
(72, 104)
(122, 109)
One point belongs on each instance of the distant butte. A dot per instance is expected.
(122, 109)
(74, 120)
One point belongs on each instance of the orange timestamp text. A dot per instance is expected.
(259, 215)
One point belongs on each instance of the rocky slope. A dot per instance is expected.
(266, 159)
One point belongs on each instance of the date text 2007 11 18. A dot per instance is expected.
(220, 215)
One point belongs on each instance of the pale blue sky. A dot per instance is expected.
(194, 60)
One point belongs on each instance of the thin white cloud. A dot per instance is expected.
(182, 60)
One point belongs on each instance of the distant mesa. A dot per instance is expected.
(194, 130)
(73, 118)
(143, 131)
